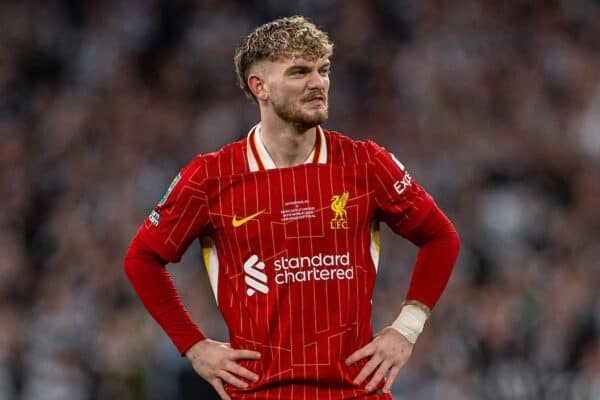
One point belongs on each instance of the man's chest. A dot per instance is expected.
(314, 202)
(285, 238)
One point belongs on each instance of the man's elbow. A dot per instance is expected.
(455, 241)
(130, 266)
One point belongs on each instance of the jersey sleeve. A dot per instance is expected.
(180, 216)
(402, 203)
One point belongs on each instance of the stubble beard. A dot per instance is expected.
(301, 119)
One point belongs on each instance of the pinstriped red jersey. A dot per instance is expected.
(291, 253)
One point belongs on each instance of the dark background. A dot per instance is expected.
(494, 106)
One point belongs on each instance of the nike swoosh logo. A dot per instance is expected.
(239, 222)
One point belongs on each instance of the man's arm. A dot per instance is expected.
(391, 348)
(214, 361)
(179, 218)
(176, 221)
(439, 246)
(151, 280)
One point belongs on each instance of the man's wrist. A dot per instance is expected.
(191, 342)
(410, 321)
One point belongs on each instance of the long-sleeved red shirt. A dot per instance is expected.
(292, 255)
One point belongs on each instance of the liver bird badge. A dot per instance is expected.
(338, 206)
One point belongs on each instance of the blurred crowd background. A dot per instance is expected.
(494, 106)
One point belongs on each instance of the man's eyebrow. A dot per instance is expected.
(298, 67)
(305, 67)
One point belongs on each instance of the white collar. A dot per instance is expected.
(259, 158)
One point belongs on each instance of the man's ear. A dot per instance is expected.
(258, 86)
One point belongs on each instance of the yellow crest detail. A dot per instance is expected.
(338, 206)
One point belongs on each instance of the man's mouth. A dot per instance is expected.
(315, 99)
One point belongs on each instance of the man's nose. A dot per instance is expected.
(316, 80)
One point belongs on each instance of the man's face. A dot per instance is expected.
(298, 89)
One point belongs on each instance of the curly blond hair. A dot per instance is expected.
(290, 37)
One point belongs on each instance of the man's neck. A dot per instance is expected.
(287, 144)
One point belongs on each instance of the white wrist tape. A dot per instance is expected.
(410, 322)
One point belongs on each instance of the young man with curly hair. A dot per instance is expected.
(288, 219)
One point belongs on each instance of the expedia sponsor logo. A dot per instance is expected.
(401, 186)
(338, 206)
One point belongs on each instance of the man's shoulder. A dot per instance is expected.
(229, 159)
(345, 148)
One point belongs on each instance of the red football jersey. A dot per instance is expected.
(291, 253)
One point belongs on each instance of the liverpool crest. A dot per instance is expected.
(338, 206)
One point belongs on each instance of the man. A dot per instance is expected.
(288, 219)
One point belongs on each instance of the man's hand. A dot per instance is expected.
(216, 363)
(388, 351)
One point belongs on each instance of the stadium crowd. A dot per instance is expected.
(493, 106)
